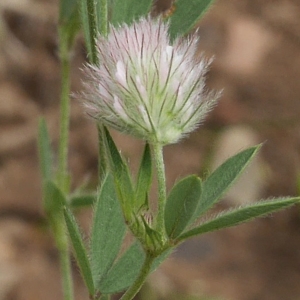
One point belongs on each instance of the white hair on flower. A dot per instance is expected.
(147, 86)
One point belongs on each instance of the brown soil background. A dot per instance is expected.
(256, 45)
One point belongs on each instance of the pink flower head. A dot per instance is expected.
(146, 86)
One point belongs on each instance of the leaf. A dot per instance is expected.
(144, 178)
(186, 16)
(45, 153)
(124, 272)
(88, 16)
(127, 268)
(54, 202)
(181, 204)
(80, 250)
(122, 177)
(129, 10)
(66, 10)
(69, 20)
(80, 200)
(54, 198)
(240, 215)
(108, 230)
(102, 8)
(215, 186)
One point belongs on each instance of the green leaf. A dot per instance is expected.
(107, 232)
(144, 179)
(66, 10)
(120, 171)
(240, 215)
(45, 153)
(102, 8)
(80, 250)
(181, 204)
(88, 16)
(54, 202)
(129, 10)
(124, 272)
(54, 198)
(215, 186)
(186, 16)
(127, 268)
(69, 20)
(80, 200)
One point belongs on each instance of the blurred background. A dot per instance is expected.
(256, 49)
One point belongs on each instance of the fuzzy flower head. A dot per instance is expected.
(146, 86)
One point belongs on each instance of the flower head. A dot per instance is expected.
(146, 86)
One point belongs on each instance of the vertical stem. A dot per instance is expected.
(59, 230)
(102, 159)
(62, 244)
(62, 176)
(93, 28)
(94, 25)
(162, 194)
(103, 17)
(146, 269)
(65, 265)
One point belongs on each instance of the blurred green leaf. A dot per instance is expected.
(240, 215)
(45, 153)
(144, 179)
(54, 198)
(107, 232)
(80, 250)
(69, 20)
(66, 10)
(81, 200)
(85, 21)
(186, 16)
(215, 186)
(181, 204)
(89, 15)
(129, 10)
(105, 297)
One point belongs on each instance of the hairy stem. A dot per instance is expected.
(162, 194)
(93, 29)
(98, 23)
(58, 224)
(62, 176)
(103, 17)
(62, 244)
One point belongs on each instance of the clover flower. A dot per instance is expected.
(147, 86)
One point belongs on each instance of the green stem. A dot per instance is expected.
(62, 176)
(65, 265)
(58, 224)
(62, 244)
(103, 18)
(94, 24)
(162, 194)
(134, 289)
(93, 28)
(103, 30)
(102, 159)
